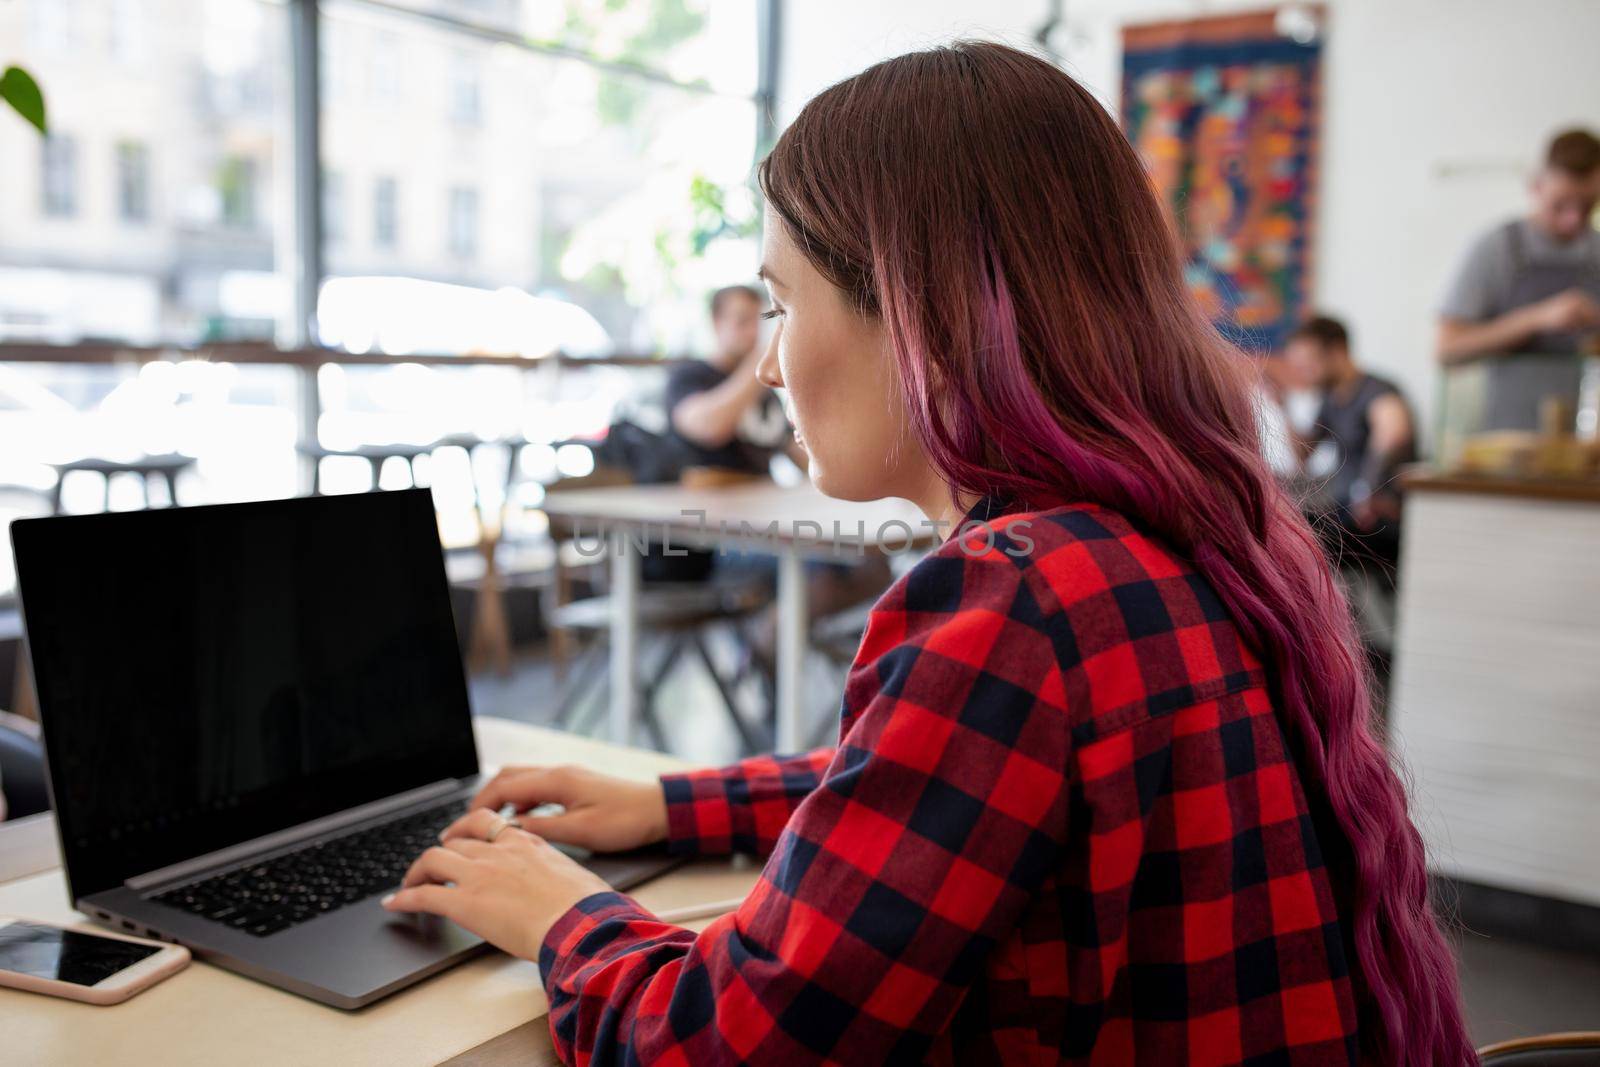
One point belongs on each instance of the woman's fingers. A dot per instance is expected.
(469, 847)
(433, 899)
(475, 823)
(493, 793)
(437, 864)
(569, 828)
(524, 787)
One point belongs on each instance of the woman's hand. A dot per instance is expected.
(509, 892)
(603, 813)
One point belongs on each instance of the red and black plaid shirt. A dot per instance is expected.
(1061, 825)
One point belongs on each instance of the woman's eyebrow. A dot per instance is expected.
(767, 276)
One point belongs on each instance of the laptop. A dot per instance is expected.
(255, 717)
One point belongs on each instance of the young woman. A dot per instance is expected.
(1105, 790)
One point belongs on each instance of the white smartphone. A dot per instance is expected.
(95, 968)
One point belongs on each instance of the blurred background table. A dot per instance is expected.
(792, 523)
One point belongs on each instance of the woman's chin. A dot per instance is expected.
(829, 482)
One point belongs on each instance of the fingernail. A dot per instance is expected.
(388, 900)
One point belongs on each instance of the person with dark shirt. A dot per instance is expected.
(1368, 424)
(721, 414)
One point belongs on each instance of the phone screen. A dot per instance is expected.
(66, 955)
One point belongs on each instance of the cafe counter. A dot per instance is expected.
(1495, 705)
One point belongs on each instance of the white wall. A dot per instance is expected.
(1433, 113)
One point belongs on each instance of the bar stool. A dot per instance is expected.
(375, 455)
(149, 468)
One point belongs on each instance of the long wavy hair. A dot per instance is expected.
(985, 208)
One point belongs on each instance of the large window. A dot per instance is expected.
(495, 176)
(495, 156)
(517, 197)
(161, 189)
(166, 114)
(606, 145)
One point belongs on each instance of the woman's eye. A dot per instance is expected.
(774, 313)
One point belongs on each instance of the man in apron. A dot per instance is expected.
(1527, 295)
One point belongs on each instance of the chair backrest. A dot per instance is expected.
(650, 458)
(1574, 1049)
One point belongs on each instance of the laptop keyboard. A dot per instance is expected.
(275, 894)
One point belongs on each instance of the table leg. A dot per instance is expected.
(625, 566)
(791, 650)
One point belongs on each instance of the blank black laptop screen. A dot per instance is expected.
(208, 675)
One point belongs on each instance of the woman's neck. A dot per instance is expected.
(942, 507)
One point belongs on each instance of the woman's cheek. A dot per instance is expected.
(794, 379)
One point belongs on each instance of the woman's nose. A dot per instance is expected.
(767, 370)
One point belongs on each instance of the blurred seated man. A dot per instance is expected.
(723, 417)
(1367, 424)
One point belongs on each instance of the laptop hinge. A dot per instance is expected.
(294, 835)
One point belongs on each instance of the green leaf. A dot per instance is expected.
(18, 89)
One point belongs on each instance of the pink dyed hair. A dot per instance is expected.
(985, 207)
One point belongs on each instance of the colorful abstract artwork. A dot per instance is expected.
(1224, 111)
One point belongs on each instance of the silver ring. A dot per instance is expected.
(501, 827)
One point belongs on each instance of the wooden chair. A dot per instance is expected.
(1573, 1049)
(571, 566)
(674, 618)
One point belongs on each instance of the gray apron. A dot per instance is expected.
(1546, 363)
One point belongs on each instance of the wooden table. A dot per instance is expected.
(793, 524)
(487, 1010)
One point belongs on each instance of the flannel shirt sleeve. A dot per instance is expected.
(741, 808)
(941, 814)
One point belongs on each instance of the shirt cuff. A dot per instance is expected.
(683, 829)
(565, 939)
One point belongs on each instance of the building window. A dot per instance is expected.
(133, 181)
(333, 229)
(466, 99)
(52, 27)
(463, 223)
(236, 182)
(59, 176)
(384, 69)
(333, 61)
(129, 41)
(385, 213)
